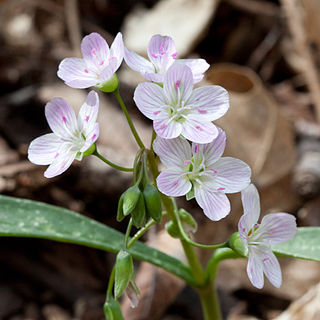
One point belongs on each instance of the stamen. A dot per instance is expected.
(93, 137)
(101, 63)
(195, 149)
(177, 84)
(93, 51)
(187, 161)
(64, 119)
(220, 189)
(111, 58)
(156, 112)
(153, 55)
(87, 118)
(199, 128)
(202, 111)
(86, 70)
(214, 171)
(162, 53)
(175, 183)
(174, 55)
(161, 46)
(265, 259)
(163, 126)
(56, 156)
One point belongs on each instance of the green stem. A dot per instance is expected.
(127, 235)
(125, 111)
(110, 283)
(210, 303)
(111, 164)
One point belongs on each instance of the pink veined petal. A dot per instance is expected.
(172, 182)
(197, 66)
(172, 152)
(95, 51)
(117, 49)
(61, 162)
(155, 77)
(255, 268)
(161, 51)
(244, 226)
(91, 137)
(208, 103)
(136, 62)
(232, 175)
(61, 118)
(166, 128)
(42, 150)
(215, 205)
(108, 71)
(199, 131)
(149, 99)
(76, 74)
(88, 112)
(277, 228)
(178, 83)
(271, 268)
(251, 205)
(212, 151)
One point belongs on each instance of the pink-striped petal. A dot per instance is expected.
(277, 228)
(232, 175)
(197, 66)
(43, 150)
(166, 128)
(178, 83)
(155, 77)
(61, 118)
(149, 99)
(161, 51)
(172, 182)
(88, 112)
(215, 205)
(251, 205)
(255, 268)
(95, 51)
(208, 103)
(61, 162)
(91, 137)
(117, 49)
(108, 71)
(271, 268)
(173, 152)
(76, 74)
(136, 62)
(199, 132)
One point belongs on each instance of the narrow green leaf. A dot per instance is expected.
(26, 218)
(305, 245)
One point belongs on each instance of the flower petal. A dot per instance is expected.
(95, 51)
(88, 112)
(155, 77)
(178, 83)
(199, 131)
(61, 118)
(208, 103)
(215, 205)
(166, 128)
(173, 152)
(91, 137)
(75, 73)
(251, 205)
(233, 175)
(108, 71)
(173, 183)
(271, 268)
(255, 268)
(137, 63)
(277, 228)
(42, 150)
(117, 49)
(212, 151)
(62, 162)
(150, 99)
(197, 66)
(162, 51)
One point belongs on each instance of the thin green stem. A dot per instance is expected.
(111, 164)
(127, 235)
(110, 283)
(131, 125)
(210, 303)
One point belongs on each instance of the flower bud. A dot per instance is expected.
(123, 272)
(237, 245)
(112, 310)
(120, 214)
(130, 199)
(133, 293)
(153, 202)
(110, 85)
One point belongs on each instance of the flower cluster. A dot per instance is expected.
(188, 144)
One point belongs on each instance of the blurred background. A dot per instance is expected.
(266, 53)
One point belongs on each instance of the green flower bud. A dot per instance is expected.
(110, 85)
(120, 214)
(90, 150)
(139, 216)
(173, 229)
(130, 199)
(123, 272)
(112, 310)
(153, 202)
(236, 244)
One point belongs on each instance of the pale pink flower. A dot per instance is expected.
(275, 228)
(162, 54)
(199, 171)
(177, 109)
(98, 65)
(71, 137)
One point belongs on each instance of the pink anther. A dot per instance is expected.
(86, 70)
